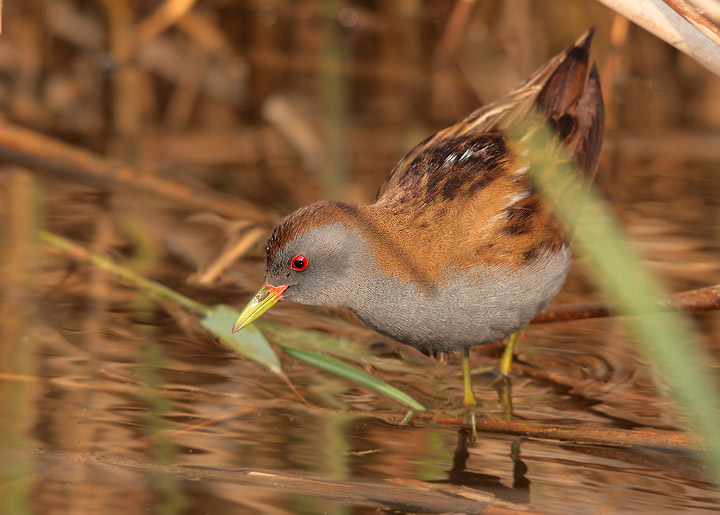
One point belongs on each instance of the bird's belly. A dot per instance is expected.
(476, 306)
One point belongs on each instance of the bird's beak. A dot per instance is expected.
(261, 302)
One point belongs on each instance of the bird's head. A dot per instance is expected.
(314, 256)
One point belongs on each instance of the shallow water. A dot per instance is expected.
(114, 406)
(112, 402)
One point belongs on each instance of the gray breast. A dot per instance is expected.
(475, 306)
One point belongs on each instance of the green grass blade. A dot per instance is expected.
(342, 369)
(669, 340)
(249, 342)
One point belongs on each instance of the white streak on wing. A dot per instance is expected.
(467, 154)
(514, 198)
(494, 220)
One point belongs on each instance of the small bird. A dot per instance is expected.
(459, 249)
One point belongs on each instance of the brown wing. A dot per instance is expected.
(562, 89)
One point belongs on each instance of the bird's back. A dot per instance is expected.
(566, 92)
(466, 187)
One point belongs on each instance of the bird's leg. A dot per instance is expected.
(505, 364)
(469, 397)
(504, 391)
(502, 380)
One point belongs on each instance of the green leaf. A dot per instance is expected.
(342, 369)
(249, 342)
(313, 340)
(669, 340)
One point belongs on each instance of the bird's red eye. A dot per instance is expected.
(299, 263)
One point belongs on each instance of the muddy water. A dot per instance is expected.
(112, 402)
(113, 405)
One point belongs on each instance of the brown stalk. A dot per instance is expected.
(38, 152)
(126, 109)
(457, 21)
(702, 299)
(231, 254)
(696, 18)
(613, 63)
(168, 14)
(661, 19)
(709, 8)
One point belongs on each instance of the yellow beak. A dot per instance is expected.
(261, 302)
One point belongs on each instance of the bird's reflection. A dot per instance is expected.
(518, 493)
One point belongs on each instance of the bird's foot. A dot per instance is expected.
(499, 378)
(503, 386)
(470, 415)
(493, 375)
(469, 399)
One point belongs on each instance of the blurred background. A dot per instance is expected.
(113, 401)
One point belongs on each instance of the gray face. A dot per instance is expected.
(337, 261)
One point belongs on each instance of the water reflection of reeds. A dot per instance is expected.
(247, 110)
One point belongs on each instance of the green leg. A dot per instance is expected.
(505, 365)
(469, 397)
(467, 381)
(504, 390)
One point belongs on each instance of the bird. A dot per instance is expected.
(459, 247)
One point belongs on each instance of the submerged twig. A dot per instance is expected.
(575, 434)
(38, 152)
(702, 299)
